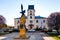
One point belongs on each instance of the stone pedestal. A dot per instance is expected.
(22, 35)
(21, 38)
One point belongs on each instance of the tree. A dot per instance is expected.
(0, 25)
(51, 20)
(2, 21)
(54, 21)
(5, 25)
(57, 24)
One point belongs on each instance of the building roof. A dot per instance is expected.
(36, 17)
(39, 17)
(30, 7)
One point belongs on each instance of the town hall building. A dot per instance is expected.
(32, 21)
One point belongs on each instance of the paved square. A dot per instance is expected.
(33, 36)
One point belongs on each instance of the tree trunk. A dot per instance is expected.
(57, 32)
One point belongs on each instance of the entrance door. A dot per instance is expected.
(31, 26)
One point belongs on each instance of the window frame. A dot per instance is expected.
(31, 21)
(30, 17)
(37, 21)
(43, 21)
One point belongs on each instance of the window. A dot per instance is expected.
(44, 21)
(17, 21)
(31, 17)
(30, 12)
(0, 18)
(36, 21)
(31, 21)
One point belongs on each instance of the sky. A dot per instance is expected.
(10, 9)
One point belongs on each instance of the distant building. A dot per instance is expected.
(32, 21)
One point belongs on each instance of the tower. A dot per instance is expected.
(31, 16)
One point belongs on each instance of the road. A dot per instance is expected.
(33, 36)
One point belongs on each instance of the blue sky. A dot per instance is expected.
(10, 9)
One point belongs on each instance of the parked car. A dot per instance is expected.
(49, 30)
(32, 30)
(10, 30)
(6, 30)
(44, 30)
(15, 30)
(1, 31)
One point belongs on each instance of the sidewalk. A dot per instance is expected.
(47, 37)
(33, 36)
(2, 37)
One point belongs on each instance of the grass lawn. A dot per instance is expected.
(3, 34)
(54, 35)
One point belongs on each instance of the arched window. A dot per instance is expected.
(43, 21)
(36, 21)
(31, 17)
(30, 12)
(31, 21)
(17, 21)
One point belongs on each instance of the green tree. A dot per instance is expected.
(0, 25)
(6, 26)
(2, 22)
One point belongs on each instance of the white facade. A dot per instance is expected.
(32, 21)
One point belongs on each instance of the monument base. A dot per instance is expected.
(21, 38)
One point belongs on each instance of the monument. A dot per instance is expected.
(22, 23)
(22, 28)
